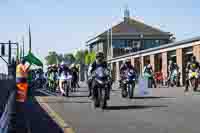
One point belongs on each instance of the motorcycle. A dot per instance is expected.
(129, 84)
(101, 87)
(53, 82)
(174, 78)
(67, 85)
(193, 77)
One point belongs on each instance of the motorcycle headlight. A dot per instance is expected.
(194, 74)
(99, 81)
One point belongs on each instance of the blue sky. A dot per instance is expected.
(65, 25)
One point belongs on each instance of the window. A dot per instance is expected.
(151, 44)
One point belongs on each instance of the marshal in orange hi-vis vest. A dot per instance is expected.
(21, 82)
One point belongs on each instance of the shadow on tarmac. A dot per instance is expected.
(152, 97)
(39, 120)
(78, 96)
(63, 101)
(82, 90)
(134, 107)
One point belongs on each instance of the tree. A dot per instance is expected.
(69, 58)
(80, 56)
(51, 58)
(90, 57)
(60, 58)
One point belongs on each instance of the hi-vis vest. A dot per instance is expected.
(21, 71)
(22, 87)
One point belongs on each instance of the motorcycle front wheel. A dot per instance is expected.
(124, 92)
(96, 98)
(194, 84)
(103, 101)
(131, 90)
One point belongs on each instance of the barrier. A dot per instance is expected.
(7, 116)
(7, 104)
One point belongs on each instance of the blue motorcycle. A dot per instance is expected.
(128, 84)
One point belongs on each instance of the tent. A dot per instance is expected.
(33, 59)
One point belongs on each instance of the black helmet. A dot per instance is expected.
(193, 57)
(23, 61)
(128, 61)
(100, 55)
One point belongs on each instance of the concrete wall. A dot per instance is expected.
(6, 86)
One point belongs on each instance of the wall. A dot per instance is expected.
(6, 87)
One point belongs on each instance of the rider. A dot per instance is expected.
(148, 69)
(124, 67)
(191, 65)
(74, 71)
(171, 67)
(99, 62)
(52, 76)
(63, 73)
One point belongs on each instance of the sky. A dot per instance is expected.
(65, 25)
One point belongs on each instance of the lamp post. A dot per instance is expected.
(139, 46)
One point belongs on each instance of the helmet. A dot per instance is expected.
(100, 55)
(128, 61)
(193, 58)
(63, 63)
(72, 65)
(23, 61)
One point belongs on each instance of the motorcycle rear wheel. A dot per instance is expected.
(124, 93)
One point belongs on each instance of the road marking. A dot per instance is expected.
(46, 93)
(57, 118)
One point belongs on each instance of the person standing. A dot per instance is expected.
(21, 80)
(21, 95)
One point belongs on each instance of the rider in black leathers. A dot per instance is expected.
(99, 62)
(124, 67)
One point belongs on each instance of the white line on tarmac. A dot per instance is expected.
(56, 117)
(46, 93)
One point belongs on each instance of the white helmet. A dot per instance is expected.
(72, 65)
(63, 63)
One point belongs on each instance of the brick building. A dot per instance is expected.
(141, 43)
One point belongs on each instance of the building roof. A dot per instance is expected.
(134, 27)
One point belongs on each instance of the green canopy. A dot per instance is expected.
(33, 59)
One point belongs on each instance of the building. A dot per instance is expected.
(142, 43)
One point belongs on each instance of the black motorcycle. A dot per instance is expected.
(128, 84)
(102, 84)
